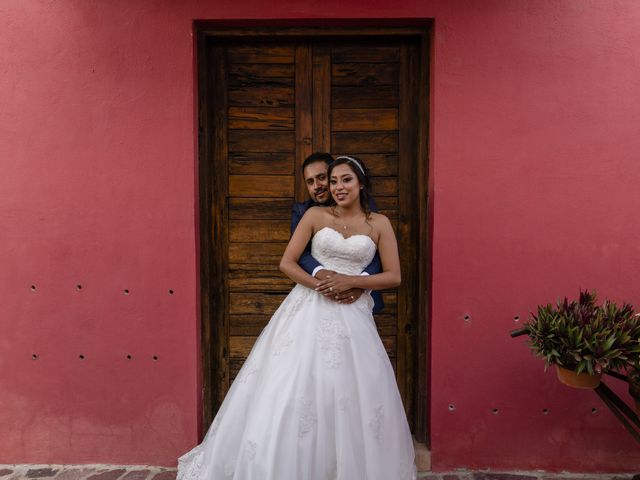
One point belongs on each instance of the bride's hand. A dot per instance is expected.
(335, 284)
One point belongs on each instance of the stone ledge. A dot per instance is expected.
(148, 472)
(538, 475)
(86, 472)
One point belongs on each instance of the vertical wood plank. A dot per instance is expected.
(424, 210)
(322, 98)
(404, 230)
(304, 118)
(219, 228)
(205, 61)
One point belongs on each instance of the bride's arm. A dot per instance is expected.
(390, 276)
(299, 240)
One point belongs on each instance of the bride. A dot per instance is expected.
(317, 399)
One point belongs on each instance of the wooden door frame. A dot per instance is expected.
(212, 178)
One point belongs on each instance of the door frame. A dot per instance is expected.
(212, 230)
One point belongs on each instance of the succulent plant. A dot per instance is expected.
(585, 337)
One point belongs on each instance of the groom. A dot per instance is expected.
(314, 171)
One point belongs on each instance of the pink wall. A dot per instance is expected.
(535, 106)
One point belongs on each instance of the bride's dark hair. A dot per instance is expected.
(362, 173)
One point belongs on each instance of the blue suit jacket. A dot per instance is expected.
(308, 263)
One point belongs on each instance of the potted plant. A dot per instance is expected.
(582, 338)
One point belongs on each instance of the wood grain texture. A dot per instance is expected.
(321, 98)
(365, 54)
(217, 237)
(390, 343)
(260, 208)
(365, 142)
(240, 346)
(386, 324)
(261, 96)
(253, 253)
(364, 119)
(247, 324)
(384, 186)
(387, 203)
(385, 96)
(406, 229)
(260, 53)
(261, 141)
(208, 357)
(241, 280)
(261, 118)
(235, 364)
(380, 165)
(254, 303)
(267, 74)
(261, 185)
(261, 163)
(304, 115)
(423, 338)
(247, 231)
(364, 74)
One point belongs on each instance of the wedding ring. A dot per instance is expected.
(331, 289)
(352, 297)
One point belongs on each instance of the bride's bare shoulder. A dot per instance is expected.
(317, 217)
(378, 219)
(316, 212)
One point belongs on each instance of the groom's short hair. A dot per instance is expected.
(317, 157)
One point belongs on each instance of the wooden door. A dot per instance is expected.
(270, 105)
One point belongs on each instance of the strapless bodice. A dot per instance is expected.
(344, 255)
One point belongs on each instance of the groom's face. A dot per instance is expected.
(315, 178)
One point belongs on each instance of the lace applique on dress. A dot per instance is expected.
(332, 335)
(192, 472)
(376, 421)
(345, 255)
(250, 450)
(299, 302)
(308, 417)
(365, 304)
(282, 343)
(247, 371)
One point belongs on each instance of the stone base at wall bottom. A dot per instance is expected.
(146, 472)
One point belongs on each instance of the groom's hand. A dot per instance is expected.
(322, 274)
(335, 284)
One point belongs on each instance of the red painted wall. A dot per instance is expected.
(534, 142)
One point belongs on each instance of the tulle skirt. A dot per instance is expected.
(315, 400)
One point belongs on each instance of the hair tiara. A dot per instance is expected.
(354, 161)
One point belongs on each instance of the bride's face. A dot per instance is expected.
(344, 186)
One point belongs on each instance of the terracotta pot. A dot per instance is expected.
(575, 380)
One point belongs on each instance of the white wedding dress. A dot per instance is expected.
(317, 397)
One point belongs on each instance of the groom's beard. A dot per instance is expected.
(322, 197)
